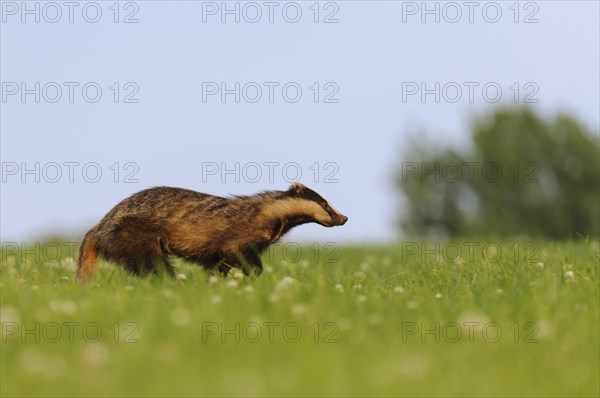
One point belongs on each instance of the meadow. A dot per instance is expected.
(413, 319)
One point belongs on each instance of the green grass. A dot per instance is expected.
(368, 322)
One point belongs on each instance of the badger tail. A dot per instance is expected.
(86, 264)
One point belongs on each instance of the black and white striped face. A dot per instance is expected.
(321, 210)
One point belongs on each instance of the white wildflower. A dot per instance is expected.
(459, 261)
(68, 262)
(32, 361)
(232, 283)
(96, 354)
(239, 275)
(569, 274)
(299, 308)
(360, 275)
(181, 316)
(9, 315)
(64, 307)
(285, 283)
(473, 320)
(412, 304)
(412, 367)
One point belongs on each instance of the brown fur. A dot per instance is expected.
(143, 231)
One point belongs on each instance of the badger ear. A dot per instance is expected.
(296, 189)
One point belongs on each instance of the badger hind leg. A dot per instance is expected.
(146, 254)
(146, 264)
(155, 265)
(163, 264)
(155, 259)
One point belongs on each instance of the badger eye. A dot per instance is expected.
(326, 207)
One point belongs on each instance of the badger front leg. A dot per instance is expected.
(252, 266)
(249, 262)
(216, 267)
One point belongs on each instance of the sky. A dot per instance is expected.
(102, 99)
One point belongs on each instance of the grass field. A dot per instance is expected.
(518, 319)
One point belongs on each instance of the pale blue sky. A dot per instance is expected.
(170, 132)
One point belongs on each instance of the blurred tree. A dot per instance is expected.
(525, 176)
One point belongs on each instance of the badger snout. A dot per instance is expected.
(335, 221)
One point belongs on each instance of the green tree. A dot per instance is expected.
(525, 176)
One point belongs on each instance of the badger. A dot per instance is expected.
(144, 231)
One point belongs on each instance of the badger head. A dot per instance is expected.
(317, 208)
